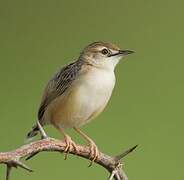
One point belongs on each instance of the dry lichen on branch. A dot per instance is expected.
(110, 163)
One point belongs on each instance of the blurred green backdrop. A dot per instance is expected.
(38, 36)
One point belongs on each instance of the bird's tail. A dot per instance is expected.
(31, 134)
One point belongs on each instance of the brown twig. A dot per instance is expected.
(110, 163)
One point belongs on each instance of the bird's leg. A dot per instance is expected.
(94, 152)
(69, 142)
(42, 132)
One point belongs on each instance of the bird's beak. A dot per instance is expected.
(123, 52)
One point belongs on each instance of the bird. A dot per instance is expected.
(79, 92)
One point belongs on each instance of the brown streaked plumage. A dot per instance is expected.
(80, 91)
(58, 85)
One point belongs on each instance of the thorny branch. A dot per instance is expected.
(110, 163)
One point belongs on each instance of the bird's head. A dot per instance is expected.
(103, 54)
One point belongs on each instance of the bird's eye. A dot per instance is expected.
(104, 51)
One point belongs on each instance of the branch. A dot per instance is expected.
(110, 163)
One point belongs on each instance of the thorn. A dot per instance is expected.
(115, 173)
(8, 171)
(23, 166)
(122, 155)
(31, 156)
(117, 176)
(111, 176)
(15, 164)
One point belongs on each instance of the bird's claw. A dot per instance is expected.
(94, 153)
(69, 145)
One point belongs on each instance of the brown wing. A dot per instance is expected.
(58, 85)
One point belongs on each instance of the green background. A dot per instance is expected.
(38, 36)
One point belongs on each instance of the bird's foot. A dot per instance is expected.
(94, 152)
(69, 145)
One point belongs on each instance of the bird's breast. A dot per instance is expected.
(87, 97)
